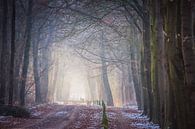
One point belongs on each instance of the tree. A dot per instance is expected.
(11, 84)
(38, 98)
(187, 38)
(26, 52)
(4, 54)
(106, 85)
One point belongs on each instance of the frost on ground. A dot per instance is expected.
(140, 121)
(145, 125)
(128, 118)
(61, 113)
(134, 115)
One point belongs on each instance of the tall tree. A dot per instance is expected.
(26, 52)
(177, 114)
(35, 44)
(188, 47)
(104, 74)
(11, 84)
(4, 54)
(146, 61)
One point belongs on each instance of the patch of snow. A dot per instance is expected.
(31, 108)
(2, 117)
(131, 107)
(61, 113)
(5, 117)
(37, 113)
(134, 115)
(145, 125)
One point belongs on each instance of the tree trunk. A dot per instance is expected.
(4, 55)
(178, 115)
(104, 74)
(11, 85)
(155, 60)
(26, 52)
(46, 55)
(146, 63)
(35, 44)
(188, 50)
(46, 60)
(135, 74)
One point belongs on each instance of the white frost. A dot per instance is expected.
(37, 113)
(145, 125)
(61, 113)
(134, 115)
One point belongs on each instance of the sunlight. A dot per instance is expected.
(78, 85)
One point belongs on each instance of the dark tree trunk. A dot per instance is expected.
(11, 85)
(178, 117)
(188, 48)
(146, 62)
(155, 54)
(17, 77)
(26, 52)
(4, 55)
(162, 78)
(35, 44)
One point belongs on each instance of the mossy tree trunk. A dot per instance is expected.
(155, 54)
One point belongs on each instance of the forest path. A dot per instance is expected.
(56, 120)
(78, 117)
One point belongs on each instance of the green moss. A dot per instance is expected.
(104, 117)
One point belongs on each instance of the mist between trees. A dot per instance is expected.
(125, 52)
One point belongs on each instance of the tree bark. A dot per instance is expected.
(104, 74)
(26, 52)
(146, 61)
(135, 73)
(38, 98)
(188, 50)
(4, 55)
(11, 84)
(178, 115)
(155, 54)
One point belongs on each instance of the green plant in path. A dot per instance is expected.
(104, 118)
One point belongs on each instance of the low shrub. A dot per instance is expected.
(6, 110)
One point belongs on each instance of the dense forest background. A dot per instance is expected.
(125, 52)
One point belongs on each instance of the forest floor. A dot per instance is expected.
(51, 116)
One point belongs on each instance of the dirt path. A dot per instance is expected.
(78, 117)
(43, 117)
(56, 120)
